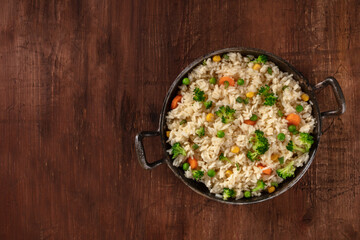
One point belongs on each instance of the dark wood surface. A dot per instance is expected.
(79, 79)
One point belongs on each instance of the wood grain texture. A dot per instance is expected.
(78, 80)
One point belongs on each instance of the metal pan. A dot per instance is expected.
(283, 66)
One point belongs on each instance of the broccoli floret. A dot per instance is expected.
(307, 140)
(260, 185)
(208, 104)
(260, 59)
(177, 150)
(228, 193)
(270, 98)
(197, 174)
(200, 132)
(199, 95)
(226, 114)
(292, 147)
(260, 146)
(264, 90)
(287, 171)
(222, 158)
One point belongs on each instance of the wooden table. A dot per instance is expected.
(78, 80)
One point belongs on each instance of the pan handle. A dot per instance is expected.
(139, 147)
(338, 95)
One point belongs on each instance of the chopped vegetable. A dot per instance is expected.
(247, 194)
(287, 171)
(250, 94)
(260, 185)
(208, 104)
(267, 171)
(271, 189)
(249, 122)
(259, 147)
(220, 134)
(280, 113)
(227, 79)
(186, 81)
(226, 84)
(226, 114)
(212, 80)
(281, 137)
(199, 95)
(193, 163)
(307, 140)
(240, 81)
(185, 166)
(235, 149)
(292, 128)
(275, 184)
(228, 173)
(168, 133)
(256, 66)
(228, 193)
(200, 132)
(261, 59)
(284, 87)
(183, 122)
(226, 56)
(270, 98)
(210, 117)
(293, 119)
(281, 160)
(211, 173)
(305, 97)
(216, 58)
(195, 146)
(237, 166)
(177, 150)
(292, 147)
(254, 117)
(222, 158)
(204, 62)
(175, 101)
(197, 174)
(239, 100)
(269, 70)
(299, 108)
(246, 101)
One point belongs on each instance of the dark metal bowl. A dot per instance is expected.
(283, 66)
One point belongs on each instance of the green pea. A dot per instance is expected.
(292, 128)
(281, 160)
(225, 56)
(240, 82)
(211, 173)
(275, 184)
(226, 84)
(212, 80)
(281, 137)
(185, 166)
(280, 113)
(247, 194)
(299, 108)
(186, 81)
(246, 101)
(220, 134)
(195, 146)
(239, 99)
(254, 118)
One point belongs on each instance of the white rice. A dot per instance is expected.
(237, 133)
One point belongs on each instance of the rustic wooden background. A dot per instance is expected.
(78, 80)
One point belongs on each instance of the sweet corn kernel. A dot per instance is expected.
(256, 66)
(168, 133)
(235, 149)
(250, 94)
(216, 58)
(274, 157)
(228, 173)
(305, 97)
(271, 189)
(210, 117)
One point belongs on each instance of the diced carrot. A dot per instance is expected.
(260, 165)
(193, 163)
(293, 119)
(249, 122)
(175, 101)
(267, 171)
(227, 79)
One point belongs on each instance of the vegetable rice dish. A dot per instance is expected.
(239, 125)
